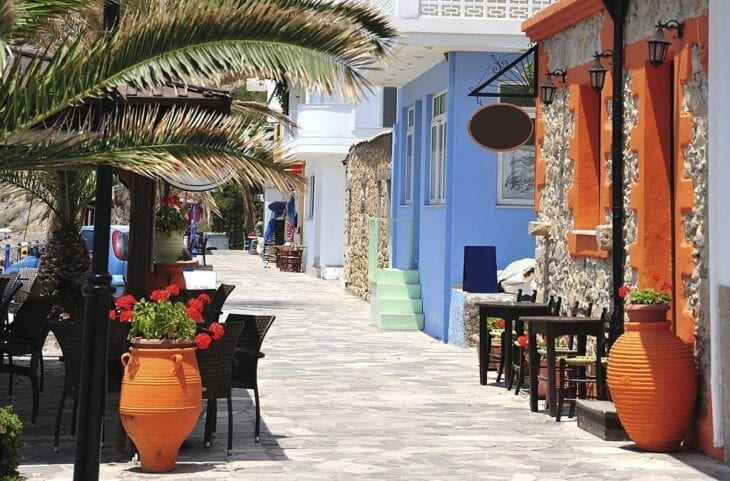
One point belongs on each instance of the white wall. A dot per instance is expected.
(718, 192)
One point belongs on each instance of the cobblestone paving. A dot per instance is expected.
(343, 401)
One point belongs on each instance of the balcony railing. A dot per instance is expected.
(484, 9)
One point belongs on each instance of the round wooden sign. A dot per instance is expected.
(501, 127)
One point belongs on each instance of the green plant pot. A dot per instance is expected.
(168, 246)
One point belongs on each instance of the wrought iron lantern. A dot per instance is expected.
(659, 45)
(597, 72)
(547, 90)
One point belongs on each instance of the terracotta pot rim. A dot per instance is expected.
(647, 307)
(162, 343)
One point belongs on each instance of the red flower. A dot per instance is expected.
(195, 304)
(623, 291)
(655, 277)
(204, 298)
(126, 316)
(666, 286)
(194, 314)
(125, 302)
(113, 314)
(523, 341)
(203, 340)
(159, 295)
(499, 323)
(173, 289)
(217, 330)
(167, 200)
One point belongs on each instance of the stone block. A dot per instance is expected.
(600, 419)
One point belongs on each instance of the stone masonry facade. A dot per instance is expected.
(367, 202)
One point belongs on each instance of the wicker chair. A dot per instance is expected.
(572, 377)
(9, 293)
(26, 336)
(213, 311)
(215, 372)
(247, 354)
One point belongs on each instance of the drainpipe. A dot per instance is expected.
(617, 10)
(97, 294)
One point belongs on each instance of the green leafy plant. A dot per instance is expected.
(171, 215)
(11, 442)
(166, 317)
(660, 294)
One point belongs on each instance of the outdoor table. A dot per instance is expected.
(510, 312)
(552, 327)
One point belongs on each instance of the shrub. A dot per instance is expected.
(11, 442)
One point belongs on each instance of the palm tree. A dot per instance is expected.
(319, 44)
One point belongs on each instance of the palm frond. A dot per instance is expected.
(258, 112)
(193, 42)
(38, 184)
(7, 26)
(34, 15)
(206, 144)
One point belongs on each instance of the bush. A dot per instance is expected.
(11, 442)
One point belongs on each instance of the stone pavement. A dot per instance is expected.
(343, 401)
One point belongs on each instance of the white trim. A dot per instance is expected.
(438, 124)
(407, 179)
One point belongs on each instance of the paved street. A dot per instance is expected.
(344, 401)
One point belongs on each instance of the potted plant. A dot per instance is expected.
(170, 223)
(651, 372)
(11, 443)
(161, 393)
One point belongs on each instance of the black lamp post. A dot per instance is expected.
(547, 90)
(658, 46)
(97, 295)
(597, 72)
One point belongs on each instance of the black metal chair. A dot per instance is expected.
(9, 294)
(213, 310)
(26, 336)
(247, 354)
(499, 358)
(215, 372)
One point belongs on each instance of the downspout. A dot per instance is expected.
(617, 10)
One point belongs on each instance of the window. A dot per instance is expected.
(310, 203)
(407, 187)
(516, 168)
(437, 162)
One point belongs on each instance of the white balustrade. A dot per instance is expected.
(484, 9)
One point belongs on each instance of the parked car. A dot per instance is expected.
(118, 251)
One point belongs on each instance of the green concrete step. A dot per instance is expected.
(397, 276)
(398, 291)
(400, 306)
(401, 322)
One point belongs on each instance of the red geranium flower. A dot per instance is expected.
(499, 323)
(126, 316)
(159, 295)
(194, 314)
(167, 200)
(666, 286)
(523, 341)
(204, 298)
(217, 330)
(203, 340)
(125, 302)
(195, 304)
(623, 291)
(112, 314)
(173, 289)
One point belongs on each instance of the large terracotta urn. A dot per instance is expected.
(653, 380)
(168, 246)
(160, 400)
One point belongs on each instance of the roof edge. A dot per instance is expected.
(558, 17)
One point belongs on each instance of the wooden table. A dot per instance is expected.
(510, 312)
(552, 327)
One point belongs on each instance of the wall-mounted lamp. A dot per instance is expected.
(597, 73)
(547, 90)
(659, 45)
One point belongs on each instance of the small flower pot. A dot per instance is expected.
(168, 246)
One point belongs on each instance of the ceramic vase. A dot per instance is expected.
(652, 378)
(160, 400)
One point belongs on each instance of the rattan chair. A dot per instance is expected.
(26, 336)
(247, 354)
(572, 377)
(215, 372)
(213, 310)
(9, 293)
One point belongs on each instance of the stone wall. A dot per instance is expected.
(367, 197)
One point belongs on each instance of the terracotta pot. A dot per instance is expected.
(653, 381)
(160, 399)
(168, 246)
